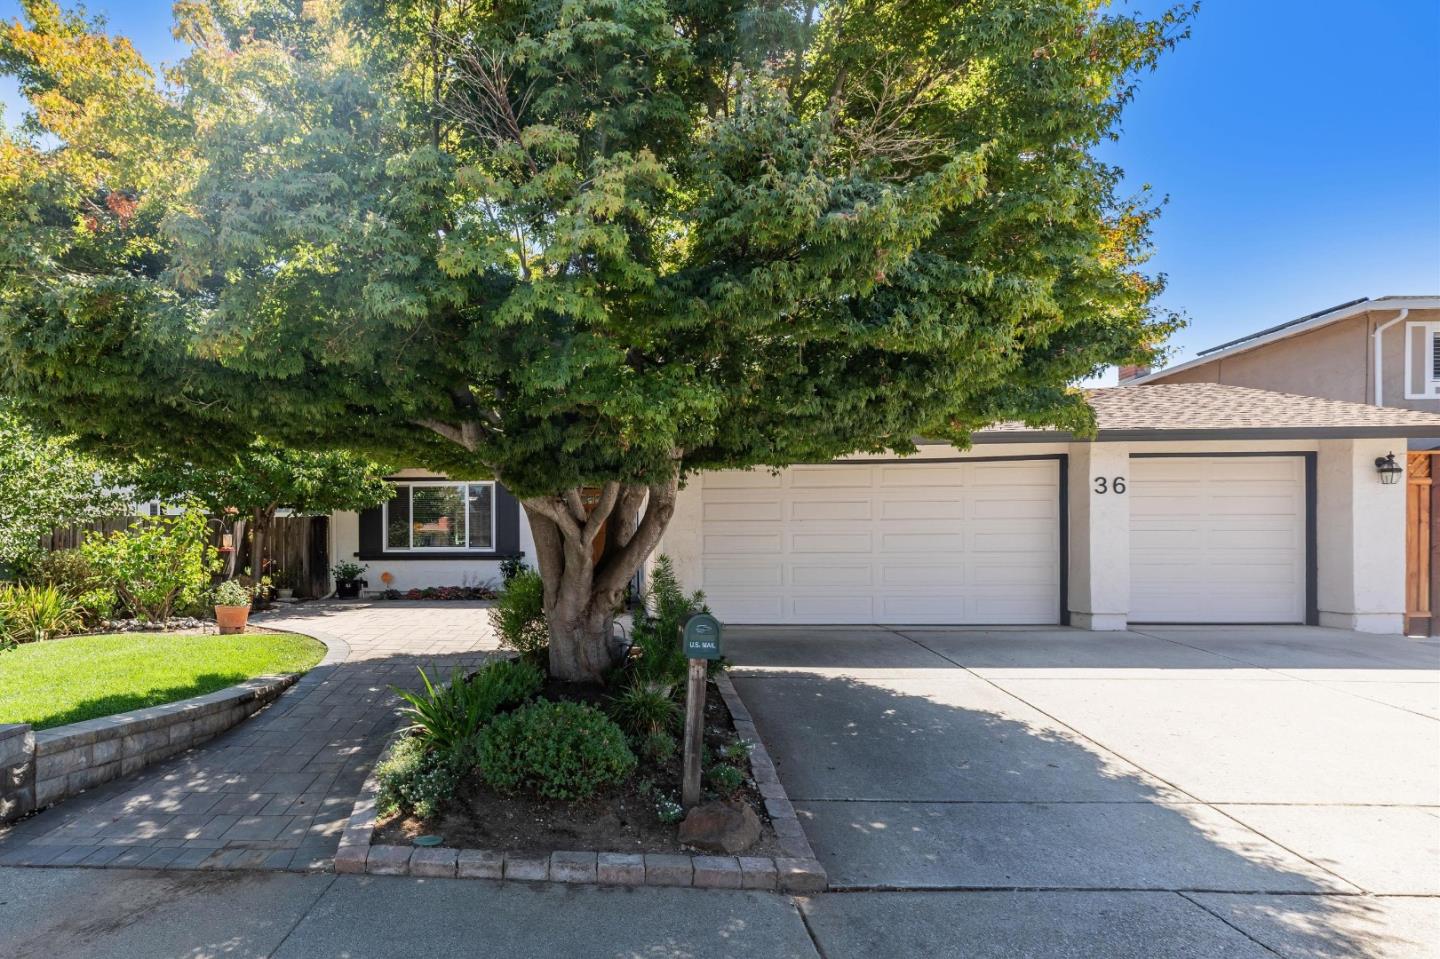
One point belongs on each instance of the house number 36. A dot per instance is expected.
(1109, 485)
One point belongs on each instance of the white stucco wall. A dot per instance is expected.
(1099, 584)
(1360, 537)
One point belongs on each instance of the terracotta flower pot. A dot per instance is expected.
(232, 619)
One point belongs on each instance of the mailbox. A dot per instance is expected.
(701, 636)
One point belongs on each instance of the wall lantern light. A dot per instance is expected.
(1388, 469)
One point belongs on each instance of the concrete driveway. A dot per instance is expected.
(1282, 783)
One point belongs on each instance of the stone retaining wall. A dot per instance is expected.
(41, 768)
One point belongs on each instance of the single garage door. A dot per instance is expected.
(912, 542)
(1217, 540)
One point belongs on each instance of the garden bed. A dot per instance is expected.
(78, 678)
(625, 820)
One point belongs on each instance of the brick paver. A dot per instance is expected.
(276, 791)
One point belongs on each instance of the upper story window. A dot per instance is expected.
(440, 516)
(1422, 361)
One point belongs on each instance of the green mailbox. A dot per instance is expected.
(701, 636)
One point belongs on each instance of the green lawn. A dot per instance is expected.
(70, 680)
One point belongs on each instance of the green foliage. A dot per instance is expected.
(232, 593)
(510, 567)
(645, 707)
(33, 614)
(264, 476)
(518, 616)
(71, 572)
(737, 752)
(413, 779)
(347, 572)
(724, 779)
(659, 657)
(447, 718)
(658, 746)
(44, 483)
(568, 243)
(556, 750)
(156, 564)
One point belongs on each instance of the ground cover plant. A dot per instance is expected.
(84, 677)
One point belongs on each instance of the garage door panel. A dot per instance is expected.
(830, 542)
(890, 543)
(740, 480)
(819, 510)
(1217, 539)
(731, 543)
(831, 575)
(754, 575)
(831, 477)
(744, 511)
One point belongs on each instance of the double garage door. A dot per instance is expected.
(979, 542)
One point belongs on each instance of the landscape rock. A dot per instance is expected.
(721, 827)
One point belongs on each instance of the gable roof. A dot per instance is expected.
(1303, 324)
(1181, 411)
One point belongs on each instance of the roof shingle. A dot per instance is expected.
(1189, 408)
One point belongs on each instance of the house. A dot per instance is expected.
(1196, 503)
(1384, 351)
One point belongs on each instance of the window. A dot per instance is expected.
(441, 516)
(1422, 361)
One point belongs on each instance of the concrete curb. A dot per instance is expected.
(797, 871)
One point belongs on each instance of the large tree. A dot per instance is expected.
(586, 247)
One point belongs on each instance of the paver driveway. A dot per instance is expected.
(275, 791)
(1279, 780)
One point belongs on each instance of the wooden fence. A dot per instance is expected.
(296, 544)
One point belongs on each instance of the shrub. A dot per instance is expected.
(658, 746)
(156, 564)
(556, 750)
(33, 614)
(646, 706)
(658, 656)
(231, 593)
(447, 718)
(71, 572)
(510, 568)
(414, 780)
(518, 616)
(725, 780)
(347, 572)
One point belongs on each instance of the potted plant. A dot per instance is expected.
(347, 579)
(285, 581)
(232, 607)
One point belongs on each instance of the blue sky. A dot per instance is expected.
(1298, 142)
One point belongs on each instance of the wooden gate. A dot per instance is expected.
(1422, 546)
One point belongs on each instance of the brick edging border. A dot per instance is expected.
(797, 871)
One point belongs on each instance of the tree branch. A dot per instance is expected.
(621, 564)
(609, 494)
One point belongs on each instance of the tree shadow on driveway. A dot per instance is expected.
(915, 778)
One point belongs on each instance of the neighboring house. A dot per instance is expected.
(1384, 351)
(1196, 503)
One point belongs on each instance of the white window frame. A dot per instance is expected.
(464, 486)
(1429, 388)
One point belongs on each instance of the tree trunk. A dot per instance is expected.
(583, 589)
(259, 533)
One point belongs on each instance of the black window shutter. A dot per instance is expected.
(507, 522)
(372, 532)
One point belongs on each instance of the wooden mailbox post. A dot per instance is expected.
(700, 635)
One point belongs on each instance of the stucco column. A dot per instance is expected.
(1360, 537)
(1099, 582)
(681, 541)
